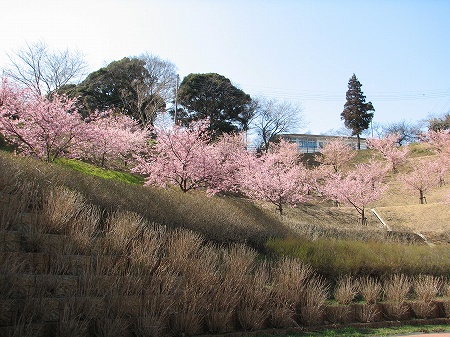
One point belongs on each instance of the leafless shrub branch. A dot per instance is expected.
(346, 290)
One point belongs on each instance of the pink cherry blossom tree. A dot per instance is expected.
(179, 156)
(113, 138)
(447, 199)
(420, 179)
(439, 141)
(40, 127)
(358, 188)
(227, 155)
(440, 167)
(336, 153)
(389, 149)
(276, 177)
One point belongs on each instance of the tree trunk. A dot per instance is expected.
(359, 142)
(421, 197)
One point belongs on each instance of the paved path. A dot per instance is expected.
(443, 334)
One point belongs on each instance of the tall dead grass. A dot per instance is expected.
(313, 304)
(226, 290)
(396, 291)
(290, 279)
(370, 289)
(346, 289)
(426, 288)
(253, 309)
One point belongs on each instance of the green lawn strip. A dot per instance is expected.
(99, 172)
(367, 332)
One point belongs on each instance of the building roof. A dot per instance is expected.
(307, 135)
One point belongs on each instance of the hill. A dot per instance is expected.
(100, 255)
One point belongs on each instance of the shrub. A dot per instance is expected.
(370, 289)
(426, 287)
(346, 290)
(396, 290)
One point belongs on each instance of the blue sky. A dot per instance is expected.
(301, 51)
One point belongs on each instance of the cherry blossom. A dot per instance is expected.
(420, 179)
(358, 188)
(40, 127)
(276, 177)
(112, 139)
(179, 156)
(389, 149)
(336, 153)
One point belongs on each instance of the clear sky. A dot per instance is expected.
(301, 51)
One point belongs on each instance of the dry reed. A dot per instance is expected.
(313, 304)
(367, 312)
(73, 320)
(121, 228)
(346, 290)
(253, 311)
(427, 287)
(396, 290)
(370, 289)
(60, 209)
(289, 279)
(226, 290)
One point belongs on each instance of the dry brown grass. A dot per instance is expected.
(446, 289)
(370, 289)
(346, 289)
(253, 308)
(313, 303)
(289, 279)
(427, 287)
(367, 312)
(396, 290)
(432, 220)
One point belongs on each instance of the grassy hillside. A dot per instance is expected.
(239, 220)
(218, 219)
(90, 252)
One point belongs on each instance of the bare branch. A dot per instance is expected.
(273, 118)
(45, 71)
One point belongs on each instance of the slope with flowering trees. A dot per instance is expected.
(276, 177)
(439, 141)
(358, 188)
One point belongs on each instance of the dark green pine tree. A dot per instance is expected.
(356, 114)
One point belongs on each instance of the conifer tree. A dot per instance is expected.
(356, 114)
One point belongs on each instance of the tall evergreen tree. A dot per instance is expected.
(356, 114)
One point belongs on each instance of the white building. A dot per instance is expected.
(313, 143)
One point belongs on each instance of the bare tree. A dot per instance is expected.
(439, 123)
(273, 117)
(157, 88)
(43, 70)
(406, 131)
